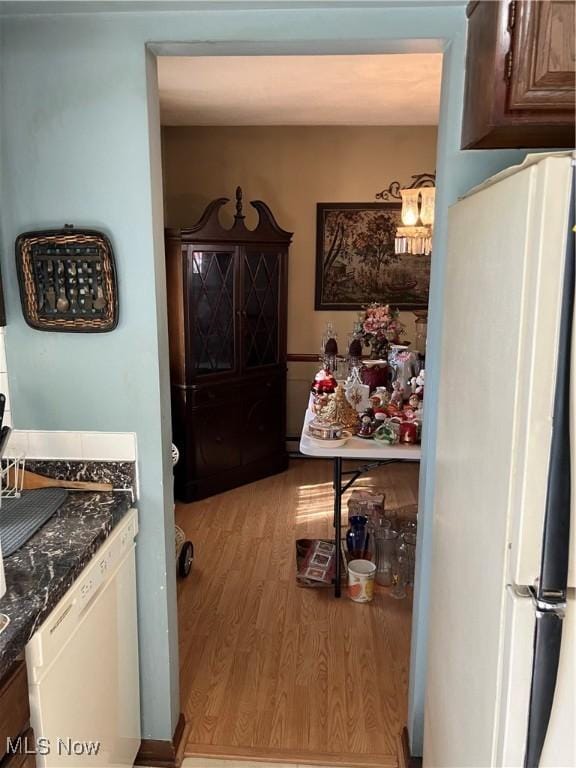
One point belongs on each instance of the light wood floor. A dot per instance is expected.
(271, 671)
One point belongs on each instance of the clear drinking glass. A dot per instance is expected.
(385, 553)
(405, 561)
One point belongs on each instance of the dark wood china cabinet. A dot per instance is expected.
(227, 307)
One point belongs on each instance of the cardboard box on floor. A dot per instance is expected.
(368, 503)
(372, 504)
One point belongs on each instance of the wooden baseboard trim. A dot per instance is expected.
(272, 755)
(405, 759)
(155, 753)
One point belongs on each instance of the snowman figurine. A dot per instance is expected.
(397, 398)
(417, 384)
(366, 425)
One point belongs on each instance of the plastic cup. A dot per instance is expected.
(361, 575)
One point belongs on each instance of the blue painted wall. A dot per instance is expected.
(76, 149)
(80, 144)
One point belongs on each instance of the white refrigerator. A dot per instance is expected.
(502, 641)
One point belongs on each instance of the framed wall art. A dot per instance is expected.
(356, 263)
(67, 280)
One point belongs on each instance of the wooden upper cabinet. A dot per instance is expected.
(543, 56)
(520, 74)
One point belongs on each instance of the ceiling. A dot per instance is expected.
(376, 89)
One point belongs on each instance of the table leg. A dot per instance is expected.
(337, 520)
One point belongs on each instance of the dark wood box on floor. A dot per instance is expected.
(227, 299)
(520, 74)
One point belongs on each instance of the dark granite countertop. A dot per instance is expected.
(40, 573)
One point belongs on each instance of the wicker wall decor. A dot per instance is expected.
(67, 280)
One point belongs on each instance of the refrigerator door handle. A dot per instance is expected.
(547, 643)
(550, 591)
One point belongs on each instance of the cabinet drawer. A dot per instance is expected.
(235, 390)
(264, 385)
(209, 394)
(14, 707)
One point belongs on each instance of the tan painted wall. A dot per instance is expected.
(292, 169)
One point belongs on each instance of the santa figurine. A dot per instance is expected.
(324, 382)
(414, 411)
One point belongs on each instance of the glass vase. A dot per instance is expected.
(384, 553)
(358, 537)
(404, 565)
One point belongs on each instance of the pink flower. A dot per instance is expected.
(381, 322)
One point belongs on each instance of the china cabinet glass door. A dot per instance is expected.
(261, 280)
(211, 286)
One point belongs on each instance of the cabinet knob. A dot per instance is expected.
(218, 439)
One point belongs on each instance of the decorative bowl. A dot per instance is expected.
(334, 443)
(324, 431)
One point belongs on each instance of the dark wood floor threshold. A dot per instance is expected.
(156, 753)
(408, 760)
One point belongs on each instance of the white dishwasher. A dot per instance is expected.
(82, 664)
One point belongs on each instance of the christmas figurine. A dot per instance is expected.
(339, 411)
(324, 382)
(386, 434)
(397, 398)
(417, 384)
(414, 402)
(367, 427)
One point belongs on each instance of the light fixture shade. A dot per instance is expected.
(410, 207)
(415, 236)
(428, 195)
(414, 240)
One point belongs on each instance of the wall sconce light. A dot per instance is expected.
(415, 234)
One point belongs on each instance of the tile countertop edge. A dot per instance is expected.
(40, 573)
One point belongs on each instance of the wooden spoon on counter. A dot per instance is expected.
(31, 481)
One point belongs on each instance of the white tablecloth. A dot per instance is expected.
(357, 448)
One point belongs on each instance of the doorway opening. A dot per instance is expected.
(270, 670)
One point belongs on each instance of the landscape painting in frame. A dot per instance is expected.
(356, 263)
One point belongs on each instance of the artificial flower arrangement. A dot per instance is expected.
(380, 327)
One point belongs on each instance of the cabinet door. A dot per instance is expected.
(263, 306)
(210, 309)
(263, 433)
(519, 74)
(22, 759)
(217, 438)
(14, 706)
(543, 55)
